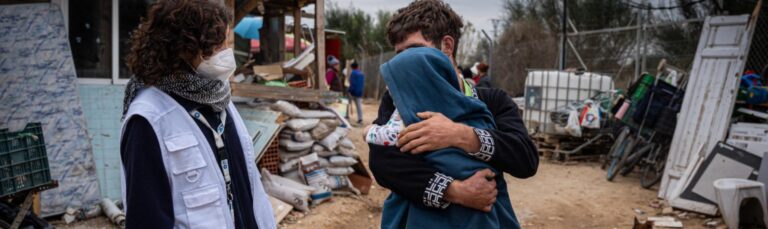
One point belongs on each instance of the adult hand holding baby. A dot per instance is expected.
(436, 132)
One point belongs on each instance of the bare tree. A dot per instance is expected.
(522, 46)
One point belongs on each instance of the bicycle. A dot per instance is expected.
(652, 169)
(617, 152)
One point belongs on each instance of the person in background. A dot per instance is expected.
(482, 68)
(333, 75)
(187, 158)
(466, 73)
(356, 84)
(485, 79)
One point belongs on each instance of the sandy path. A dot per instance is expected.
(559, 196)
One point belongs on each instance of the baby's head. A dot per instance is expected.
(424, 62)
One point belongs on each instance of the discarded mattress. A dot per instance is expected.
(38, 84)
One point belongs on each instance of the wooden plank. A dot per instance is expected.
(246, 8)
(320, 41)
(281, 39)
(36, 204)
(283, 93)
(303, 73)
(280, 209)
(297, 32)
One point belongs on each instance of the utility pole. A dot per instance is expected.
(564, 36)
(639, 44)
(645, 36)
(490, 51)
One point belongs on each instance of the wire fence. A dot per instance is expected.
(628, 54)
(623, 54)
(758, 52)
(369, 65)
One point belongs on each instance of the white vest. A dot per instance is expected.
(197, 184)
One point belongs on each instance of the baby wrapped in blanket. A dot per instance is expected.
(423, 79)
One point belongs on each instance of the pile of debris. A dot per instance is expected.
(316, 158)
(667, 217)
(110, 209)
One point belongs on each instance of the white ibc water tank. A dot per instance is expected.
(545, 91)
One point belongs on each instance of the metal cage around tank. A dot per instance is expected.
(548, 90)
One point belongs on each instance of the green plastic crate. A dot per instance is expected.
(23, 160)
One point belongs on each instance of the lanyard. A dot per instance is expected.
(469, 91)
(220, 150)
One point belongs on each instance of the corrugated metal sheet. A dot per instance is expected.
(709, 100)
(38, 84)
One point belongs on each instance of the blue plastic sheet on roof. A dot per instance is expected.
(249, 27)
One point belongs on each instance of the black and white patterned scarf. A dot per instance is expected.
(194, 87)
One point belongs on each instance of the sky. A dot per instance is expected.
(479, 12)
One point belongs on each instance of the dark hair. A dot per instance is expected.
(482, 67)
(354, 65)
(466, 72)
(434, 18)
(174, 33)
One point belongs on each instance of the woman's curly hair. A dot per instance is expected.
(173, 34)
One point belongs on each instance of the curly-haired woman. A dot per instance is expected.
(186, 156)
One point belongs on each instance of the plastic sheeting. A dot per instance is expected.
(38, 84)
(103, 107)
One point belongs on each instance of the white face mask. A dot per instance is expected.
(219, 66)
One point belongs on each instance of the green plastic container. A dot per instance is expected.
(23, 160)
(642, 89)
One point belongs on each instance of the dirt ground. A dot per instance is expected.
(561, 195)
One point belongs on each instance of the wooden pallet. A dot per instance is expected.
(284, 93)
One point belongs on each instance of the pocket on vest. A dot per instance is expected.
(204, 208)
(186, 157)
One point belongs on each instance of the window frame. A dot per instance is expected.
(115, 59)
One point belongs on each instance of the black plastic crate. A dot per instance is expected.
(23, 160)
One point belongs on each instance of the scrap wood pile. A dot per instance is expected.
(316, 159)
(290, 80)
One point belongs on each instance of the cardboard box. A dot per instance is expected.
(269, 72)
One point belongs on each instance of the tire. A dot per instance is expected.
(618, 157)
(636, 157)
(653, 171)
(609, 156)
(625, 155)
